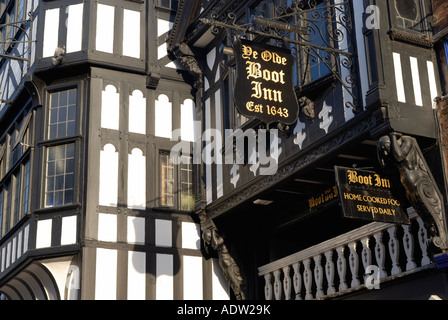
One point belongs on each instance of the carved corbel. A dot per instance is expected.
(307, 108)
(231, 271)
(421, 189)
(187, 58)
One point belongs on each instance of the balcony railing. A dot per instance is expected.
(362, 258)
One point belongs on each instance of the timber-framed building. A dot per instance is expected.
(115, 179)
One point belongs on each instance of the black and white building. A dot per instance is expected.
(106, 105)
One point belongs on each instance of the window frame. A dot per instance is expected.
(16, 154)
(445, 47)
(65, 174)
(177, 180)
(57, 89)
(401, 22)
(171, 7)
(48, 143)
(14, 196)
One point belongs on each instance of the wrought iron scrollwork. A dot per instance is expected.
(16, 39)
(314, 31)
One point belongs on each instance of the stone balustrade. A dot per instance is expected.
(362, 258)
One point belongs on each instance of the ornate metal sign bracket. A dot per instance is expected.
(16, 39)
(314, 34)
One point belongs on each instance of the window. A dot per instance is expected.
(168, 4)
(176, 182)
(314, 62)
(1, 212)
(2, 159)
(59, 189)
(15, 173)
(8, 199)
(14, 197)
(186, 184)
(60, 175)
(26, 188)
(263, 9)
(16, 193)
(62, 114)
(167, 180)
(445, 45)
(408, 15)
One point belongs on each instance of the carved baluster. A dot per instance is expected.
(408, 243)
(329, 271)
(287, 282)
(380, 254)
(268, 286)
(423, 241)
(342, 268)
(308, 279)
(318, 276)
(277, 285)
(354, 264)
(297, 280)
(366, 254)
(394, 250)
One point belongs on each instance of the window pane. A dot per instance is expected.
(68, 196)
(72, 97)
(186, 184)
(167, 180)
(60, 167)
(17, 198)
(49, 199)
(63, 98)
(54, 116)
(69, 181)
(1, 212)
(59, 183)
(62, 114)
(60, 175)
(71, 113)
(62, 130)
(50, 184)
(70, 168)
(26, 188)
(71, 129)
(59, 198)
(70, 151)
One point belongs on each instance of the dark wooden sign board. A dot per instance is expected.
(264, 85)
(369, 196)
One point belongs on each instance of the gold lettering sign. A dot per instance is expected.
(264, 87)
(319, 200)
(367, 195)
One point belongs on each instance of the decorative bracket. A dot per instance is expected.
(14, 34)
(229, 267)
(403, 152)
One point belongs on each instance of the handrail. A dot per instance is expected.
(333, 267)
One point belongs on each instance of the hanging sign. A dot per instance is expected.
(264, 85)
(367, 195)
